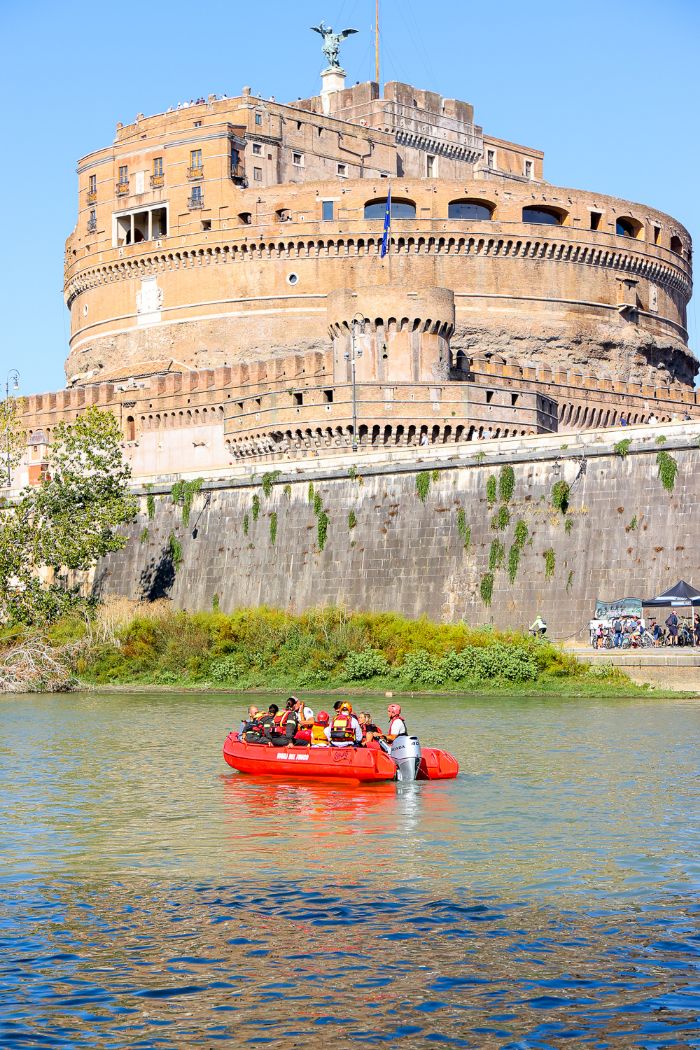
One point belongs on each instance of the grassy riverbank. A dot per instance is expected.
(325, 649)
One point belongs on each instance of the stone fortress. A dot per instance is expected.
(225, 282)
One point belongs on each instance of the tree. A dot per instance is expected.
(65, 523)
(13, 438)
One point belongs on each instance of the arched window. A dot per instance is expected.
(626, 227)
(543, 216)
(468, 209)
(400, 209)
(130, 428)
(677, 245)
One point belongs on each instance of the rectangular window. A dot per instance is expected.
(528, 169)
(158, 166)
(257, 174)
(657, 234)
(196, 193)
(92, 221)
(596, 216)
(257, 149)
(196, 158)
(430, 166)
(328, 208)
(328, 397)
(342, 170)
(198, 123)
(298, 399)
(298, 159)
(258, 118)
(143, 225)
(123, 173)
(206, 225)
(92, 184)
(489, 397)
(490, 158)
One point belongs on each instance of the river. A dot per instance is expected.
(153, 898)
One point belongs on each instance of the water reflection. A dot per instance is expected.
(150, 897)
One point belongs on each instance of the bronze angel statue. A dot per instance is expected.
(331, 42)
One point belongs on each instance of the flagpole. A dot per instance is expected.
(376, 42)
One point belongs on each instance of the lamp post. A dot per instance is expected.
(12, 379)
(358, 318)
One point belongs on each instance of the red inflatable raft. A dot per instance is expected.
(358, 764)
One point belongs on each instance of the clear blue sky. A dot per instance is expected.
(609, 89)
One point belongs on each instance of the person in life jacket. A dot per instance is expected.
(370, 732)
(320, 730)
(397, 726)
(345, 729)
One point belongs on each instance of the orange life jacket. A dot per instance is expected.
(342, 727)
(318, 734)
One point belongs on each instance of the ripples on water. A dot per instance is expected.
(151, 898)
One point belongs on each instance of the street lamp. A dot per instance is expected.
(12, 380)
(358, 318)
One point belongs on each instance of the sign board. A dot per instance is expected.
(621, 607)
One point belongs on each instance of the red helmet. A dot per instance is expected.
(323, 718)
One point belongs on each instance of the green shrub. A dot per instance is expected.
(268, 481)
(486, 588)
(521, 533)
(668, 469)
(227, 670)
(560, 496)
(497, 555)
(287, 491)
(463, 529)
(501, 519)
(175, 549)
(420, 668)
(506, 483)
(661, 439)
(273, 526)
(491, 490)
(318, 503)
(352, 519)
(422, 484)
(513, 561)
(368, 663)
(322, 529)
(246, 524)
(150, 504)
(568, 525)
(143, 538)
(215, 602)
(550, 560)
(255, 509)
(622, 447)
(311, 492)
(434, 475)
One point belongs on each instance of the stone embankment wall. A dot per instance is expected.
(386, 548)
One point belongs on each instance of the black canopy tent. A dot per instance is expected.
(681, 594)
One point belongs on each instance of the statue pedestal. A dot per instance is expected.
(332, 80)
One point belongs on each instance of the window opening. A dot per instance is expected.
(342, 170)
(149, 224)
(327, 210)
(257, 174)
(298, 399)
(257, 149)
(400, 209)
(528, 169)
(469, 210)
(596, 216)
(490, 158)
(542, 216)
(196, 199)
(430, 166)
(676, 245)
(298, 159)
(328, 397)
(657, 234)
(258, 118)
(489, 397)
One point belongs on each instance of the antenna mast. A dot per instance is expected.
(376, 41)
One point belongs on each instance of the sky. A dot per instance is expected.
(609, 89)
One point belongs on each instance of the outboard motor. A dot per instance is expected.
(406, 753)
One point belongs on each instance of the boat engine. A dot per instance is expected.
(406, 753)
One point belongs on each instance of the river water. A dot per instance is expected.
(151, 897)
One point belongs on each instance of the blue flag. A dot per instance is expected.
(387, 225)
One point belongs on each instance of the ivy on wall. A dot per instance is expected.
(273, 527)
(175, 549)
(491, 490)
(668, 469)
(255, 509)
(486, 588)
(422, 484)
(183, 492)
(550, 561)
(268, 480)
(506, 483)
(560, 495)
(463, 529)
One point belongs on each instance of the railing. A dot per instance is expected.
(91, 196)
(122, 188)
(195, 202)
(157, 180)
(238, 174)
(196, 172)
(91, 225)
